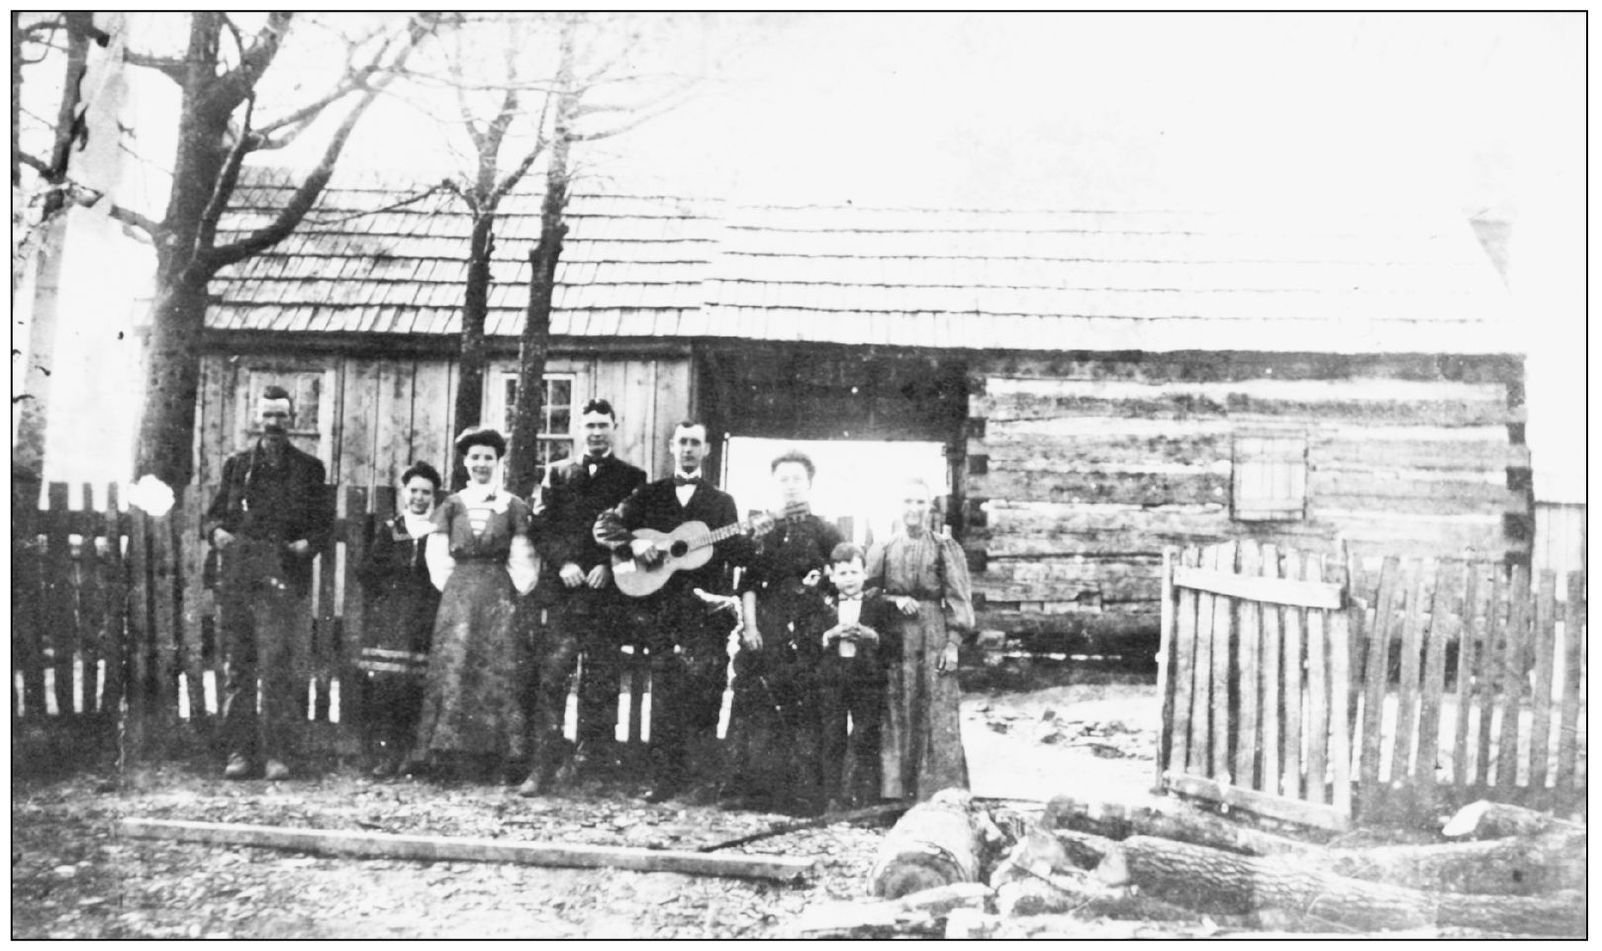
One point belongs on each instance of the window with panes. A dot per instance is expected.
(556, 416)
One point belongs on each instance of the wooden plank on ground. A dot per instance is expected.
(60, 618)
(1407, 686)
(115, 597)
(1375, 674)
(1307, 594)
(1340, 723)
(191, 510)
(1184, 671)
(1573, 677)
(91, 604)
(1201, 693)
(435, 848)
(359, 525)
(1544, 637)
(1442, 630)
(1165, 650)
(1274, 807)
(1513, 682)
(1491, 673)
(1469, 644)
(1318, 690)
(1248, 667)
(1291, 677)
(1272, 709)
(1224, 562)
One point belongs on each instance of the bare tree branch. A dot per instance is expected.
(226, 180)
(232, 87)
(444, 185)
(169, 66)
(307, 194)
(37, 164)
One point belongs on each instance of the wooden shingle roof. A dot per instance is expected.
(1063, 280)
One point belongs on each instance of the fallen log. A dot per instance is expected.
(1215, 881)
(1115, 821)
(1483, 819)
(447, 848)
(939, 842)
(1533, 865)
(795, 825)
(1083, 849)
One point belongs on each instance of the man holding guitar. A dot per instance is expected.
(688, 649)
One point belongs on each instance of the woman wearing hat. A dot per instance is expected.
(472, 721)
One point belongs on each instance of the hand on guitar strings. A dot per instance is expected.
(646, 552)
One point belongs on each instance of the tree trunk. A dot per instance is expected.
(172, 383)
(1181, 824)
(474, 353)
(523, 471)
(939, 842)
(1211, 880)
(1494, 820)
(1532, 865)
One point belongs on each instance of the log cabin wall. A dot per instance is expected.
(1080, 469)
(368, 416)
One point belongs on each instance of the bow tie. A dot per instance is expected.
(679, 480)
(851, 597)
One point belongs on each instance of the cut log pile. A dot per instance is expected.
(1086, 869)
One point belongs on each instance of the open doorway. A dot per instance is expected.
(856, 478)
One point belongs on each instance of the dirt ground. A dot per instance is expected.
(74, 876)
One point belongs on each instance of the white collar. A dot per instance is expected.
(473, 492)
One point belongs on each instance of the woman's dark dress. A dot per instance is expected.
(471, 704)
(773, 720)
(401, 604)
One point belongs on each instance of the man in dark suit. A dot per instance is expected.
(687, 645)
(585, 612)
(270, 517)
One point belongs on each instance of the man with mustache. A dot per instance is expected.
(270, 517)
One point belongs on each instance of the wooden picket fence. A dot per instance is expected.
(113, 621)
(1294, 688)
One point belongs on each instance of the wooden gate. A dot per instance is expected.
(1252, 672)
(1396, 697)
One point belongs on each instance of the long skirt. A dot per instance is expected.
(921, 737)
(471, 702)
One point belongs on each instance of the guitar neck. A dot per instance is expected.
(717, 535)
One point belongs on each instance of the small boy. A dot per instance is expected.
(857, 642)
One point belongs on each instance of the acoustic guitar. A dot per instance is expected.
(686, 548)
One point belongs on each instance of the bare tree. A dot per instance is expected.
(592, 93)
(503, 150)
(219, 125)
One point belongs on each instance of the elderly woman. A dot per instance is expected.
(773, 719)
(924, 573)
(472, 721)
(402, 602)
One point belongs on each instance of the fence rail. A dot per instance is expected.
(1305, 689)
(112, 606)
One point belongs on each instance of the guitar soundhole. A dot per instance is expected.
(678, 548)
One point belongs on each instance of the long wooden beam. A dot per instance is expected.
(455, 849)
(1306, 594)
